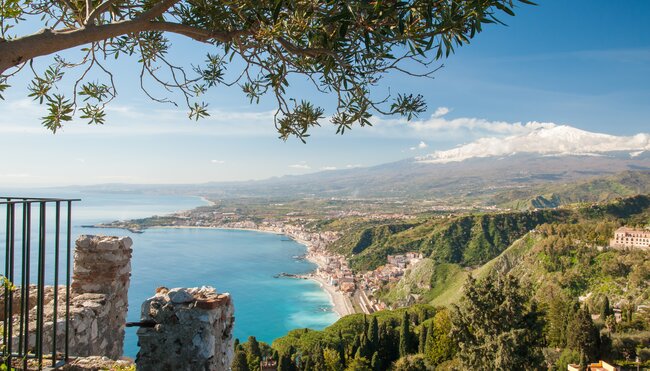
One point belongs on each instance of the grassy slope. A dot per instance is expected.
(572, 240)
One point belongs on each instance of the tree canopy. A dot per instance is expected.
(343, 48)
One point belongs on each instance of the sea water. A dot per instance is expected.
(242, 263)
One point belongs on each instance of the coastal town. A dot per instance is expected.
(349, 291)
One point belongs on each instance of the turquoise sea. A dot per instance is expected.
(242, 263)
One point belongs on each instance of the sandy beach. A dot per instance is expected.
(342, 304)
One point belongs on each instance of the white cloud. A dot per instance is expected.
(436, 127)
(441, 111)
(328, 168)
(218, 161)
(547, 139)
(420, 145)
(352, 166)
(302, 165)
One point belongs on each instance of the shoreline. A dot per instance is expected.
(341, 304)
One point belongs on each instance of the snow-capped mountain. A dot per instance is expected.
(546, 140)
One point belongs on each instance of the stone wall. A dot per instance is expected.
(98, 301)
(186, 329)
(102, 267)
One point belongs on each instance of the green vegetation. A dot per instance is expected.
(600, 189)
(343, 48)
(468, 240)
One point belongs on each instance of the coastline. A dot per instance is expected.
(341, 304)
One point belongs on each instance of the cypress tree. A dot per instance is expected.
(373, 333)
(286, 364)
(375, 363)
(254, 347)
(405, 336)
(584, 336)
(355, 346)
(253, 353)
(423, 339)
(605, 309)
(239, 363)
(341, 349)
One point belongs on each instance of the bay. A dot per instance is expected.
(241, 263)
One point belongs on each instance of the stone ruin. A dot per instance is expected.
(181, 329)
(186, 329)
(98, 301)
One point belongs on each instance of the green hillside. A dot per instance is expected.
(468, 240)
(565, 254)
(600, 189)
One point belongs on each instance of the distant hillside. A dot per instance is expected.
(627, 183)
(476, 179)
(558, 246)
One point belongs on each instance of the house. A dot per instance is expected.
(600, 366)
(268, 365)
(626, 238)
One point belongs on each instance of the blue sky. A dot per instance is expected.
(581, 63)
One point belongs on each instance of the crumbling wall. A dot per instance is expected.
(186, 329)
(102, 267)
(98, 301)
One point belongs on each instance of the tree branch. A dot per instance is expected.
(47, 41)
(101, 8)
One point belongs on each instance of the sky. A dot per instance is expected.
(580, 63)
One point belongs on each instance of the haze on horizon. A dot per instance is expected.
(555, 64)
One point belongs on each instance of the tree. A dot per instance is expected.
(373, 333)
(439, 346)
(605, 309)
(359, 364)
(332, 361)
(405, 336)
(254, 353)
(583, 335)
(376, 363)
(343, 47)
(423, 339)
(410, 363)
(239, 363)
(497, 326)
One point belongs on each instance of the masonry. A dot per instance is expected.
(186, 329)
(98, 300)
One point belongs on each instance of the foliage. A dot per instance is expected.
(410, 363)
(467, 240)
(497, 326)
(343, 48)
(583, 336)
(440, 347)
(602, 189)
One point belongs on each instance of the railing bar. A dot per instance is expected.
(9, 300)
(34, 199)
(67, 283)
(57, 236)
(26, 272)
(40, 303)
(22, 272)
(7, 314)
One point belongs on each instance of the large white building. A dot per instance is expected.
(625, 237)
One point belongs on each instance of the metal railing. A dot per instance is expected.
(32, 259)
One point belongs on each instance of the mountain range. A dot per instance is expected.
(487, 171)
